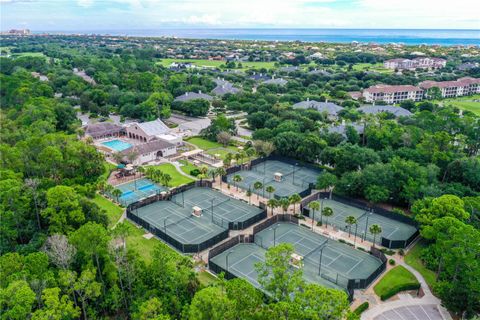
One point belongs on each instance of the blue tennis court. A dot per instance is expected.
(138, 189)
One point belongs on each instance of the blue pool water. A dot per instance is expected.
(117, 145)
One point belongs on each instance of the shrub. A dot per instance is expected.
(360, 248)
(396, 289)
(319, 224)
(391, 262)
(401, 252)
(388, 252)
(194, 172)
(361, 308)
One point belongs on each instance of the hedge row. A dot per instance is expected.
(396, 289)
(361, 308)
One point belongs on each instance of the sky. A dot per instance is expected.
(97, 15)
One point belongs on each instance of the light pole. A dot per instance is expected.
(226, 260)
(366, 226)
(313, 218)
(321, 211)
(165, 225)
(274, 235)
(320, 262)
(355, 238)
(211, 208)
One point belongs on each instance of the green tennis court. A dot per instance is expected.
(391, 229)
(175, 217)
(339, 262)
(294, 178)
(135, 190)
(241, 263)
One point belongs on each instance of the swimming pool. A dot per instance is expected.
(117, 145)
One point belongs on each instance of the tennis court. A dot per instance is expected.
(294, 178)
(138, 189)
(339, 262)
(242, 259)
(175, 217)
(391, 229)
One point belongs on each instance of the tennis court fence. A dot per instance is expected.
(385, 242)
(185, 248)
(364, 283)
(274, 219)
(224, 247)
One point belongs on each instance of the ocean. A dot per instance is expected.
(406, 36)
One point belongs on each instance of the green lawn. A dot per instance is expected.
(465, 103)
(206, 278)
(217, 63)
(378, 67)
(177, 178)
(203, 143)
(414, 259)
(187, 166)
(29, 54)
(113, 211)
(396, 280)
(136, 241)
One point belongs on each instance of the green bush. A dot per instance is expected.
(388, 252)
(319, 224)
(391, 262)
(194, 172)
(399, 288)
(361, 308)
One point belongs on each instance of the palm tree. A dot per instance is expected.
(166, 178)
(327, 212)
(350, 220)
(212, 173)
(203, 170)
(109, 188)
(237, 157)
(249, 195)
(257, 185)
(118, 157)
(141, 170)
(237, 179)
(272, 203)
(132, 156)
(314, 205)
(270, 190)
(221, 172)
(227, 160)
(294, 199)
(284, 203)
(117, 193)
(375, 229)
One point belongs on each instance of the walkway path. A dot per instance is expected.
(179, 169)
(406, 303)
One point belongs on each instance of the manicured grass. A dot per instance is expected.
(414, 259)
(378, 67)
(206, 278)
(29, 54)
(203, 143)
(464, 103)
(136, 241)
(396, 280)
(187, 166)
(217, 63)
(114, 212)
(177, 178)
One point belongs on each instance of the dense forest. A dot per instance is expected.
(59, 259)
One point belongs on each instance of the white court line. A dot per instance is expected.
(251, 254)
(350, 270)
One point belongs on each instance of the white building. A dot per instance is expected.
(420, 62)
(461, 87)
(152, 130)
(150, 151)
(392, 94)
